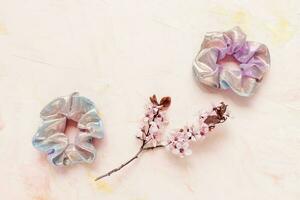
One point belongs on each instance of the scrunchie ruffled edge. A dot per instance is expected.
(51, 139)
(254, 61)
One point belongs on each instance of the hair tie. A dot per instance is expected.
(51, 139)
(253, 59)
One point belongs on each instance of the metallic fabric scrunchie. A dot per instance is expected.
(51, 139)
(253, 58)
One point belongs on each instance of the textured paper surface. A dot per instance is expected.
(118, 53)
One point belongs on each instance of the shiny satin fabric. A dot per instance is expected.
(253, 59)
(51, 139)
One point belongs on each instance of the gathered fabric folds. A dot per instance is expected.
(51, 138)
(253, 58)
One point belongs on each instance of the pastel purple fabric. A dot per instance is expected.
(253, 59)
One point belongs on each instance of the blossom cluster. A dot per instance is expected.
(179, 140)
(154, 120)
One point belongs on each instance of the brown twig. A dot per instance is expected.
(156, 147)
(139, 138)
(124, 164)
(142, 148)
(164, 104)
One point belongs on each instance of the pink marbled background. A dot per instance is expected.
(118, 53)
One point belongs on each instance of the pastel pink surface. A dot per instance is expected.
(117, 53)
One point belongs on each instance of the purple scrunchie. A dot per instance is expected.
(254, 59)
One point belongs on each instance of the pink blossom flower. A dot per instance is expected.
(204, 129)
(179, 141)
(154, 121)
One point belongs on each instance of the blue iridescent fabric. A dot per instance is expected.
(51, 138)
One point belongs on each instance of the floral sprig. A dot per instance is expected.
(154, 120)
(153, 123)
(178, 142)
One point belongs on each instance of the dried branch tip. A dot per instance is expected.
(164, 103)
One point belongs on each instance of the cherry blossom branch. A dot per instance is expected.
(154, 119)
(178, 142)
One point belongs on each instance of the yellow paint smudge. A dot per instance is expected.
(100, 185)
(233, 17)
(3, 29)
(240, 17)
(104, 186)
(281, 31)
(100, 114)
(277, 25)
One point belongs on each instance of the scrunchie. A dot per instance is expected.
(254, 59)
(51, 139)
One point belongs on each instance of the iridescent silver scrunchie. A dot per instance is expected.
(51, 139)
(253, 58)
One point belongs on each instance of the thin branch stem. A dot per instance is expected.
(156, 147)
(139, 138)
(124, 164)
(142, 148)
